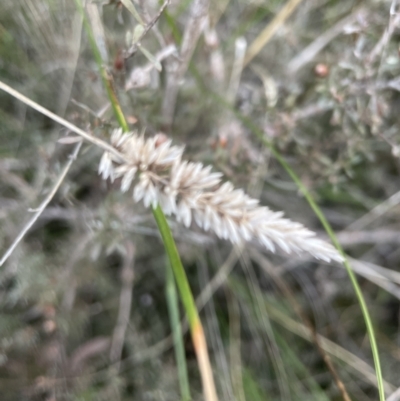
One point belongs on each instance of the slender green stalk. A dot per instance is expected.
(173, 310)
(177, 267)
(106, 77)
(196, 327)
(189, 304)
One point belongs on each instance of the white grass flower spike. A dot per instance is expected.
(193, 192)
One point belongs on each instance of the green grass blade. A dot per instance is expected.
(173, 310)
(189, 304)
(196, 327)
(177, 267)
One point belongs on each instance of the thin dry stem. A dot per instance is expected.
(42, 206)
(306, 321)
(95, 141)
(375, 213)
(125, 301)
(310, 52)
(394, 396)
(386, 37)
(193, 29)
(220, 277)
(363, 370)
(133, 49)
(235, 345)
(264, 37)
(200, 346)
(214, 333)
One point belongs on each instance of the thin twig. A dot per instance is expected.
(235, 344)
(394, 396)
(259, 258)
(375, 213)
(260, 312)
(124, 311)
(82, 354)
(382, 236)
(360, 367)
(264, 37)
(214, 333)
(194, 27)
(218, 279)
(93, 113)
(133, 49)
(378, 275)
(380, 49)
(309, 53)
(42, 206)
(144, 4)
(385, 38)
(96, 141)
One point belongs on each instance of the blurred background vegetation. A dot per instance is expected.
(324, 90)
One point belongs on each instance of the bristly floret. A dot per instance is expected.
(191, 191)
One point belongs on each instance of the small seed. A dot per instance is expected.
(321, 70)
